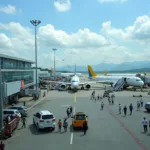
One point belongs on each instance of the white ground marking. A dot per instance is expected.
(71, 138)
(74, 109)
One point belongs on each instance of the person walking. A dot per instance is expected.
(84, 127)
(109, 99)
(131, 108)
(125, 110)
(65, 125)
(23, 122)
(2, 145)
(138, 105)
(144, 122)
(71, 111)
(98, 97)
(119, 109)
(59, 125)
(102, 106)
(112, 101)
(141, 101)
(68, 112)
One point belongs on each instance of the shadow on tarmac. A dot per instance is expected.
(76, 130)
(34, 130)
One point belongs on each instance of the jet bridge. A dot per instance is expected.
(118, 86)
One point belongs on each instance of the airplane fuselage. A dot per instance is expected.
(71, 74)
(75, 81)
(130, 81)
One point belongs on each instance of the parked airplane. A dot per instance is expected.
(124, 75)
(74, 83)
(71, 74)
(112, 80)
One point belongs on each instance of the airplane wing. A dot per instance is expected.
(60, 82)
(106, 82)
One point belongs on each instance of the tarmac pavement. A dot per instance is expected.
(107, 130)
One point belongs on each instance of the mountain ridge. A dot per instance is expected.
(137, 66)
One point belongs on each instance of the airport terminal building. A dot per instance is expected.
(16, 75)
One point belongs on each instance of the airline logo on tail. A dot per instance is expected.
(91, 72)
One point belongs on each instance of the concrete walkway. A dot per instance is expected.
(29, 101)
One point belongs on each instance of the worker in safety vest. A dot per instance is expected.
(59, 125)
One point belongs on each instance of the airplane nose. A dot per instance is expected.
(75, 84)
(142, 83)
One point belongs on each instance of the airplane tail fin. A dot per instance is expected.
(91, 72)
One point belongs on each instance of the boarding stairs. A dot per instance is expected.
(119, 84)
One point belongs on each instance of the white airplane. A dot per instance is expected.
(74, 83)
(125, 75)
(71, 74)
(112, 80)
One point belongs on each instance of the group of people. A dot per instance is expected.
(9, 118)
(124, 109)
(139, 105)
(65, 123)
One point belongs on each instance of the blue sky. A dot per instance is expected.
(83, 31)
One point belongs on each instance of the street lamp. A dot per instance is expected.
(63, 66)
(36, 23)
(54, 49)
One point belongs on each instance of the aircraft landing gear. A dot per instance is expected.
(134, 88)
(69, 88)
(82, 88)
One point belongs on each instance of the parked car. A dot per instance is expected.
(147, 106)
(44, 119)
(21, 109)
(78, 120)
(13, 112)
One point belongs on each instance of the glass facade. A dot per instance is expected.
(9, 76)
(14, 64)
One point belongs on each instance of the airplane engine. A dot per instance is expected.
(63, 86)
(88, 86)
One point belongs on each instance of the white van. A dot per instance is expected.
(13, 112)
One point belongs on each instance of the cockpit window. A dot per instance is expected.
(138, 80)
(73, 81)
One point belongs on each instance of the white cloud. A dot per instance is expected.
(8, 9)
(111, 1)
(81, 39)
(139, 31)
(82, 47)
(62, 5)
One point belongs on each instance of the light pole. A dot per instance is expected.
(1, 101)
(63, 66)
(54, 49)
(36, 23)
